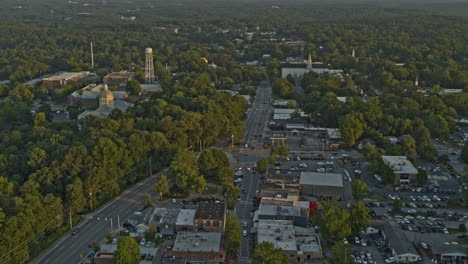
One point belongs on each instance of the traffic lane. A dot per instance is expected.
(98, 230)
(93, 231)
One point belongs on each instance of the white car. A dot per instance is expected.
(420, 217)
(114, 241)
(345, 241)
(446, 231)
(390, 260)
(244, 233)
(363, 243)
(356, 240)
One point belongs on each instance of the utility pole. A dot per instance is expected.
(150, 168)
(91, 201)
(71, 222)
(118, 223)
(92, 57)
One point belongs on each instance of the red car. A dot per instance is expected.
(92, 245)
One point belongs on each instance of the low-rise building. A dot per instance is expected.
(119, 79)
(59, 80)
(107, 104)
(89, 95)
(404, 170)
(402, 250)
(184, 220)
(210, 217)
(318, 184)
(450, 253)
(300, 245)
(199, 247)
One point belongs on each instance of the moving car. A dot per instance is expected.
(244, 233)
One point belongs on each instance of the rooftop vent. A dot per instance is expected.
(196, 244)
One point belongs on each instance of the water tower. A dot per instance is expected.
(149, 70)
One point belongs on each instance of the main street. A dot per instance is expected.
(254, 136)
(94, 228)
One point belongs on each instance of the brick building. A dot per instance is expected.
(210, 217)
(201, 247)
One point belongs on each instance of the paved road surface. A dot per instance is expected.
(69, 248)
(255, 133)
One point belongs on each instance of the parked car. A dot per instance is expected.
(244, 233)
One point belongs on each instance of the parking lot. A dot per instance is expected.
(370, 249)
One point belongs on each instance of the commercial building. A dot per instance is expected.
(300, 245)
(199, 247)
(184, 220)
(450, 253)
(322, 184)
(404, 170)
(210, 217)
(402, 250)
(165, 220)
(59, 80)
(119, 79)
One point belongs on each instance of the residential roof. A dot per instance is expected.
(185, 217)
(321, 179)
(400, 164)
(214, 211)
(164, 216)
(397, 240)
(198, 242)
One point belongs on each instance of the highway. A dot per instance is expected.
(255, 133)
(69, 248)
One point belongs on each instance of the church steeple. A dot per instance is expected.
(416, 82)
(309, 62)
(353, 54)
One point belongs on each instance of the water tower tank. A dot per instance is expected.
(149, 50)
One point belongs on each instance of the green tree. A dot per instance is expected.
(341, 253)
(22, 93)
(233, 235)
(396, 207)
(337, 222)
(351, 128)
(37, 158)
(262, 165)
(464, 153)
(128, 251)
(266, 253)
(421, 177)
(360, 189)
(184, 172)
(462, 228)
(133, 87)
(162, 186)
(359, 218)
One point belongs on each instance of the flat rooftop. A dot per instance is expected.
(65, 76)
(214, 211)
(198, 242)
(185, 217)
(282, 234)
(400, 164)
(321, 179)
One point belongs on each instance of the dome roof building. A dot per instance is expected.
(106, 96)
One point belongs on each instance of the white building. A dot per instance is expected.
(298, 69)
